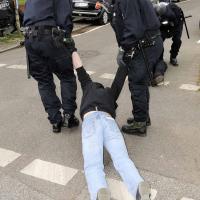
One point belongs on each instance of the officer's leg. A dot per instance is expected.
(138, 85)
(64, 70)
(40, 72)
(176, 44)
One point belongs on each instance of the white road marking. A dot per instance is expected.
(94, 29)
(17, 67)
(48, 171)
(108, 76)
(165, 83)
(198, 42)
(190, 87)
(7, 156)
(119, 190)
(184, 198)
(2, 65)
(90, 72)
(184, 1)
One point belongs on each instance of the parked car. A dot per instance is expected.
(87, 9)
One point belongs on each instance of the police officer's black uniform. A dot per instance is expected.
(173, 29)
(49, 48)
(135, 21)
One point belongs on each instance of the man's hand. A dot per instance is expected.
(120, 56)
(77, 63)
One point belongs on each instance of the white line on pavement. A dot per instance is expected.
(2, 65)
(165, 83)
(7, 156)
(184, 198)
(184, 1)
(94, 29)
(90, 72)
(48, 171)
(190, 87)
(108, 76)
(119, 190)
(17, 67)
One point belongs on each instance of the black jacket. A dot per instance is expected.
(49, 13)
(99, 98)
(173, 14)
(133, 19)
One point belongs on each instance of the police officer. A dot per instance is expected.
(49, 49)
(137, 30)
(171, 18)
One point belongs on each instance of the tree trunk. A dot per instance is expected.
(17, 15)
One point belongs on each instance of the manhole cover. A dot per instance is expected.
(88, 54)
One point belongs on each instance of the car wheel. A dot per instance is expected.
(104, 18)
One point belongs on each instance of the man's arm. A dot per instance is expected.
(83, 76)
(119, 80)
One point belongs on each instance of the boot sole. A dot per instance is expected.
(130, 122)
(138, 133)
(159, 79)
(144, 191)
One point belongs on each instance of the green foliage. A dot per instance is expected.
(22, 2)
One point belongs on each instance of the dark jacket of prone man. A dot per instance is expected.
(49, 13)
(96, 97)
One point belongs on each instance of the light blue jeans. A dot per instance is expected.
(100, 130)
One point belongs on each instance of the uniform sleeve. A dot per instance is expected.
(119, 80)
(133, 26)
(64, 15)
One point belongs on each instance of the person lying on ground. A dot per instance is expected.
(100, 130)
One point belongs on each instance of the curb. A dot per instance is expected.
(20, 44)
(12, 48)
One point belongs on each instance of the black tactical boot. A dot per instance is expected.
(130, 120)
(135, 128)
(57, 127)
(174, 61)
(103, 194)
(144, 191)
(158, 79)
(70, 121)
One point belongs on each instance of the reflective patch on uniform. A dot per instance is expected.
(184, 198)
(108, 76)
(190, 87)
(17, 67)
(198, 42)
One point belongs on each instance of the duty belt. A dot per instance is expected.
(34, 31)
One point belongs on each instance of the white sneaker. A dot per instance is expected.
(103, 194)
(144, 191)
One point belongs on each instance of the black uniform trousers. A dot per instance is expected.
(176, 39)
(176, 34)
(46, 59)
(139, 79)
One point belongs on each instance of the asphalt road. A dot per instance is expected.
(38, 165)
